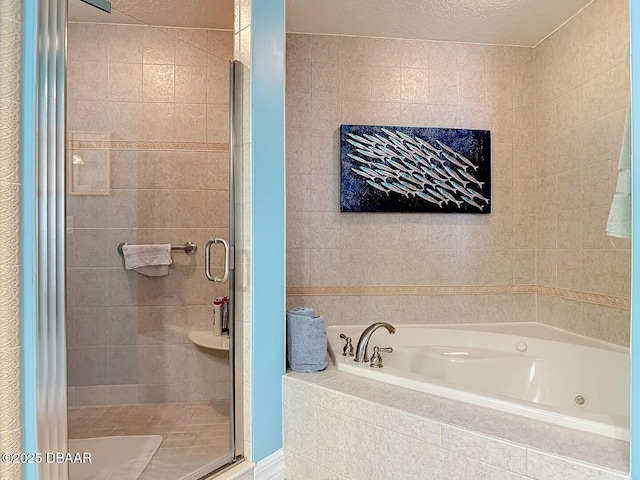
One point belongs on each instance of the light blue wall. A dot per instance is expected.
(268, 217)
(27, 235)
(635, 242)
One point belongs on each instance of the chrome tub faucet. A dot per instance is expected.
(363, 342)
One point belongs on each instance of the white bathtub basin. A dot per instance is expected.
(527, 369)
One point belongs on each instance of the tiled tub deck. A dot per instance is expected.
(339, 426)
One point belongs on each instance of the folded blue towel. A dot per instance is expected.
(304, 311)
(306, 341)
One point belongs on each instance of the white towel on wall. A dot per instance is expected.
(619, 222)
(150, 260)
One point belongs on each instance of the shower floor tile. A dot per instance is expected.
(193, 433)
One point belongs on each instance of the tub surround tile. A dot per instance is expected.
(299, 468)
(305, 390)
(612, 454)
(386, 395)
(416, 304)
(507, 455)
(414, 426)
(329, 434)
(556, 113)
(514, 429)
(300, 428)
(448, 411)
(446, 290)
(542, 466)
(325, 474)
(357, 462)
(393, 463)
(427, 461)
(480, 439)
(343, 404)
(460, 466)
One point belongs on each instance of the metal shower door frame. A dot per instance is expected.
(235, 354)
(47, 307)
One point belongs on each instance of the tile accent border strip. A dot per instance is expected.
(133, 145)
(586, 297)
(394, 290)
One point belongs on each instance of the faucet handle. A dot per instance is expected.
(376, 358)
(347, 351)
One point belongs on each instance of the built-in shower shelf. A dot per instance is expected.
(206, 339)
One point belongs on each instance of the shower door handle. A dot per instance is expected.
(207, 260)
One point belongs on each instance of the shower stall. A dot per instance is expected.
(149, 161)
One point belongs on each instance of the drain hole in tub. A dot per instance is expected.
(522, 346)
(581, 401)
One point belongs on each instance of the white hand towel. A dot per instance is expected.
(150, 260)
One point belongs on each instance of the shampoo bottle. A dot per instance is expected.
(217, 317)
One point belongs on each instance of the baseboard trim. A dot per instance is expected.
(271, 467)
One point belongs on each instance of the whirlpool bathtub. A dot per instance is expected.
(527, 369)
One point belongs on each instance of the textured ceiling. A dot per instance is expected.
(168, 13)
(507, 22)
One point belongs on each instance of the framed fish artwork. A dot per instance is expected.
(414, 169)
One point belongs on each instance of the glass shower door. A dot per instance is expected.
(148, 163)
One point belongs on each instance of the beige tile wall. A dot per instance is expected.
(581, 91)
(10, 351)
(128, 334)
(556, 115)
(333, 80)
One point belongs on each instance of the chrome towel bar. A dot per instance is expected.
(190, 248)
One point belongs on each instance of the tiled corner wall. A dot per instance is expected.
(333, 80)
(337, 426)
(10, 351)
(155, 103)
(556, 114)
(581, 91)
(242, 53)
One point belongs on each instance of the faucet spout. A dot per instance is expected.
(363, 342)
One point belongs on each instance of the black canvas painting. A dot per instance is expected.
(413, 169)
